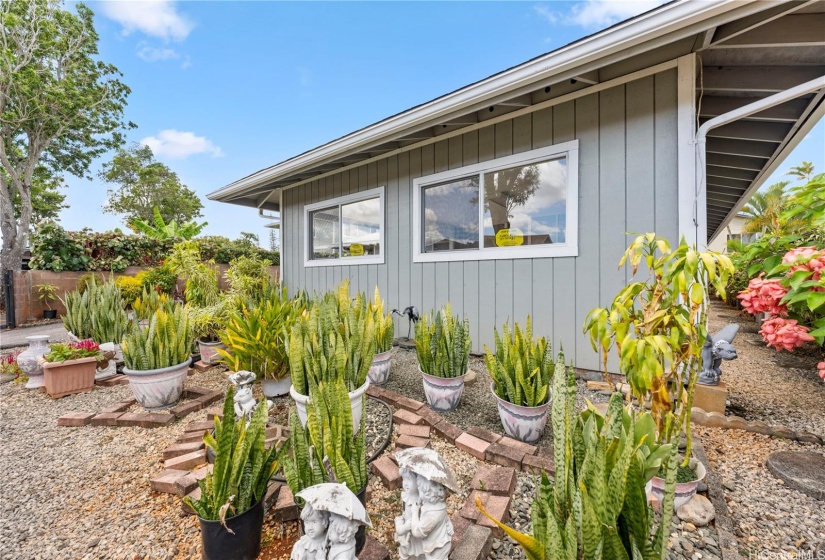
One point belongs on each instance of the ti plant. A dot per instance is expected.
(384, 326)
(522, 366)
(597, 507)
(255, 338)
(166, 342)
(243, 465)
(443, 344)
(334, 339)
(658, 326)
(326, 450)
(47, 293)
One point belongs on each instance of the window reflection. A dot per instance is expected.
(325, 231)
(361, 228)
(450, 215)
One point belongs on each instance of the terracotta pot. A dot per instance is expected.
(157, 389)
(525, 423)
(443, 393)
(69, 377)
(380, 368)
(209, 353)
(684, 490)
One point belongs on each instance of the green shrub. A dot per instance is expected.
(131, 288)
(55, 249)
(161, 279)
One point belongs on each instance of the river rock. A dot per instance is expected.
(698, 511)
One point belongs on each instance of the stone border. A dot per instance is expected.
(716, 420)
(724, 524)
(116, 415)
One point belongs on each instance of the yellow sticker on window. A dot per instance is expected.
(356, 250)
(509, 237)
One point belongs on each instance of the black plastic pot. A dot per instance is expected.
(245, 544)
(50, 313)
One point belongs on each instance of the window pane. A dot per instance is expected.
(361, 228)
(325, 232)
(526, 205)
(450, 214)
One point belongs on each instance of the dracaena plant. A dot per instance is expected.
(326, 450)
(597, 506)
(443, 343)
(521, 367)
(166, 342)
(243, 464)
(658, 326)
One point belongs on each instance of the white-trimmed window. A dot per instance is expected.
(520, 206)
(345, 230)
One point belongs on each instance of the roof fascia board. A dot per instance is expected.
(679, 18)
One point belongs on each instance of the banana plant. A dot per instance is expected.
(442, 343)
(326, 450)
(597, 506)
(522, 366)
(166, 342)
(243, 465)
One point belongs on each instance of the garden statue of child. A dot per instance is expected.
(245, 403)
(408, 548)
(313, 545)
(431, 528)
(341, 535)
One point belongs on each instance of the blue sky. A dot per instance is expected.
(222, 89)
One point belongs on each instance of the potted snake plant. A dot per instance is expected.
(521, 368)
(231, 504)
(384, 332)
(443, 345)
(97, 313)
(597, 502)
(328, 448)
(335, 339)
(158, 357)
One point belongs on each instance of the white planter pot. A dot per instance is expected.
(112, 347)
(156, 389)
(684, 490)
(356, 399)
(111, 370)
(29, 360)
(443, 393)
(209, 352)
(276, 387)
(380, 368)
(525, 423)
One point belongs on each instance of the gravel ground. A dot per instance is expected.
(776, 388)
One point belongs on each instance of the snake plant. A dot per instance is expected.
(166, 342)
(326, 450)
(255, 337)
(243, 465)
(334, 339)
(522, 366)
(384, 326)
(597, 508)
(152, 300)
(99, 312)
(443, 344)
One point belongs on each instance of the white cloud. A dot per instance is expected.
(154, 54)
(177, 145)
(157, 18)
(597, 14)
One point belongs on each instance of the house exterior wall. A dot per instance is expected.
(627, 183)
(720, 242)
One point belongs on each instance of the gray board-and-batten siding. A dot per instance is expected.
(627, 183)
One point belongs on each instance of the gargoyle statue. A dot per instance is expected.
(717, 347)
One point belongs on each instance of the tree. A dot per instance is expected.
(163, 230)
(60, 107)
(508, 189)
(804, 171)
(47, 200)
(765, 208)
(143, 184)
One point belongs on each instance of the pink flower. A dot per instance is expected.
(810, 259)
(784, 334)
(763, 296)
(821, 370)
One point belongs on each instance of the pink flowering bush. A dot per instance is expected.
(763, 296)
(784, 334)
(810, 260)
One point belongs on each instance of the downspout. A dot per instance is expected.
(742, 112)
(261, 213)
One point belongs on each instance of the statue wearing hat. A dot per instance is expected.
(331, 515)
(424, 530)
